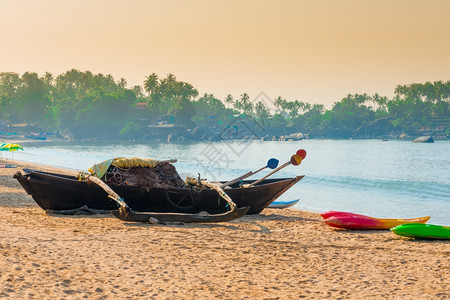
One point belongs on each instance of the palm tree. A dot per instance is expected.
(261, 111)
(229, 100)
(151, 86)
(243, 103)
(48, 78)
(170, 78)
(400, 90)
(151, 83)
(308, 107)
(122, 83)
(137, 90)
(279, 103)
(247, 106)
(380, 102)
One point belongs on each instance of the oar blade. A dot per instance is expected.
(301, 153)
(296, 159)
(272, 163)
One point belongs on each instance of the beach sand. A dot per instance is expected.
(279, 254)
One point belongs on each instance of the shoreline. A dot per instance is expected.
(281, 253)
(277, 138)
(79, 157)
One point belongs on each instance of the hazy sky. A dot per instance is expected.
(313, 51)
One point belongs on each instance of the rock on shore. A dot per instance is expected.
(424, 139)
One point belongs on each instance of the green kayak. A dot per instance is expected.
(423, 231)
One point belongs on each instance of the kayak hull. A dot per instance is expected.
(364, 222)
(283, 204)
(334, 213)
(423, 231)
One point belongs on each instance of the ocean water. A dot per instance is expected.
(386, 179)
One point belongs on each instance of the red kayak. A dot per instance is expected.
(355, 221)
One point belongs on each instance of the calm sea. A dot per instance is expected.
(389, 179)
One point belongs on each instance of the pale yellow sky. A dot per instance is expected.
(313, 51)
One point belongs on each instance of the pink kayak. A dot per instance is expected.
(365, 222)
(334, 213)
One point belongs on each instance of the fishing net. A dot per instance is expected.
(161, 176)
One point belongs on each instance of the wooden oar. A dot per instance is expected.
(271, 164)
(295, 160)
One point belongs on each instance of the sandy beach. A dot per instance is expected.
(279, 254)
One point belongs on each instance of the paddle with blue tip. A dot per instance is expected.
(295, 160)
(271, 164)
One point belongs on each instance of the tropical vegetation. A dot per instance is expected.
(85, 105)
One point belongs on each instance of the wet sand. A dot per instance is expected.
(279, 254)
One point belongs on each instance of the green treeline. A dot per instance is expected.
(87, 105)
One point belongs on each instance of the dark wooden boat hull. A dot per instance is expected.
(62, 192)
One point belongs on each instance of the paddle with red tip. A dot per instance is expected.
(301, 153)
(271, 164)
(295, 160)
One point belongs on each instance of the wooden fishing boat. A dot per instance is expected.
(58, 192)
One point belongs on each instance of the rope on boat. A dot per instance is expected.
(123, 207)
(114, 175)
(214, 186)
(111, 194)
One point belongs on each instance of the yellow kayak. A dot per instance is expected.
(389, 223)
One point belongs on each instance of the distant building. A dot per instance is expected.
(141, 105)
